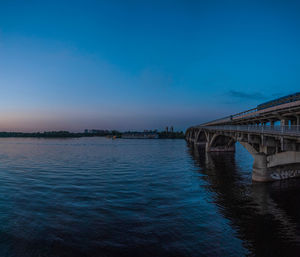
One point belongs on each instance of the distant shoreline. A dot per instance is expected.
(66, 134)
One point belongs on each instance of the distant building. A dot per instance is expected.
(171, 129)
(96, 131)
(167, 129)
(140, 135)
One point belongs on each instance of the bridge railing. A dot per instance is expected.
(286, 130)
(233, 117)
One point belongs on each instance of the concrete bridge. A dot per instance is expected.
(270, 132)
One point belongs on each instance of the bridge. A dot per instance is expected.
(270, 132)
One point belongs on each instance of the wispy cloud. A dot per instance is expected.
(246, 95)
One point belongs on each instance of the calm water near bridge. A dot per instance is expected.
(102, 197)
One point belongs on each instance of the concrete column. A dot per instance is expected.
(260, 171)
(283, 122)
(272, 122)
(207, 147)
(196, 137)
(191, 136)
(282, 144)
(291, 122)
(263, 149)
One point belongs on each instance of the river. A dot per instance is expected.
(103, 197)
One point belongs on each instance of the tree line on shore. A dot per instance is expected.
(67, 134)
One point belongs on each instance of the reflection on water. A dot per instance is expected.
(101, 197)
(266, 216)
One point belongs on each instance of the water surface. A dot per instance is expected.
(102, 197)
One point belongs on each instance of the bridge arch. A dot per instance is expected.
(221, 143)
(190, 135)
(249, 148)
(201, 137)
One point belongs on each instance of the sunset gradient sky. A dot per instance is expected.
(71, 65)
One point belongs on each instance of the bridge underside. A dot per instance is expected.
(276, 157)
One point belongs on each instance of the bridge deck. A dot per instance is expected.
(253, 115)
(293, 131)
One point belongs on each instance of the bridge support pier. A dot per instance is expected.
(274, 167)
(260, 171)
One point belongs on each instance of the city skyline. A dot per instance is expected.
(134, 66)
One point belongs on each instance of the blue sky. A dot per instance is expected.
(142, 64)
